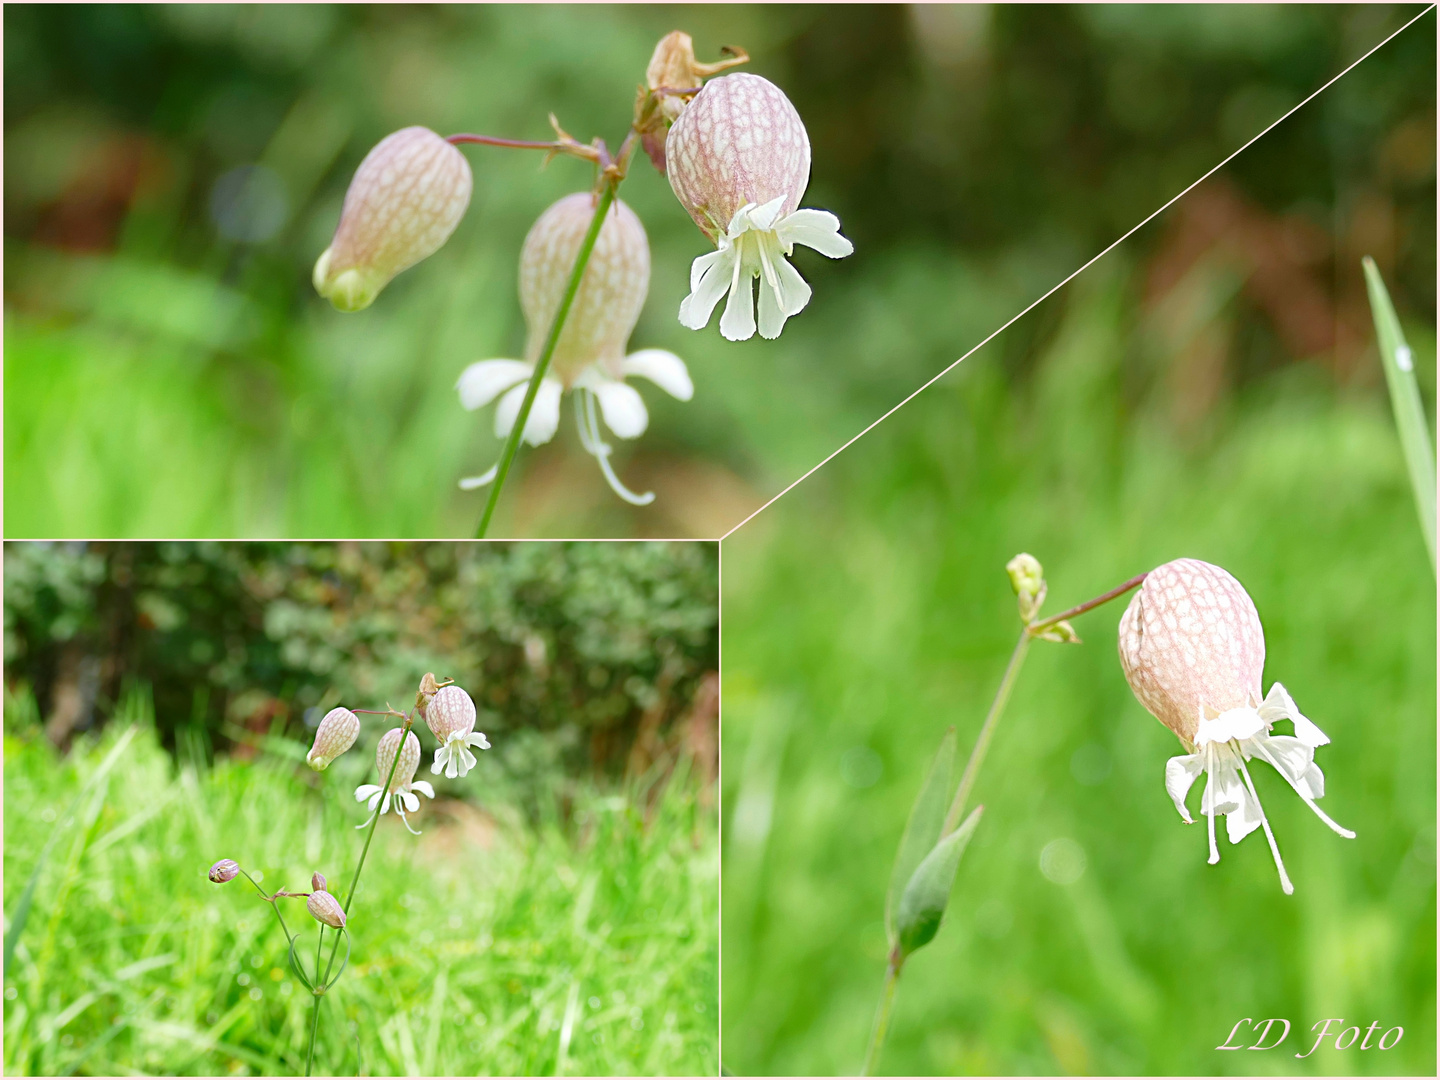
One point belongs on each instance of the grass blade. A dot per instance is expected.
(1399, 363)
(22, 909)
(923, 829)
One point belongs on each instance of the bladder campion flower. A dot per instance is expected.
(738, 159)
(406, 198)
(451, 717)
(325, 908)
(224, 870)
(403, 786)
(589, 358)
(1193, 651)
(336, 734)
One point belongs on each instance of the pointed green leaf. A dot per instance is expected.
(923, 829)
(922, 904)
(1399, 364)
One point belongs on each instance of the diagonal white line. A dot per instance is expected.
(1065, 281)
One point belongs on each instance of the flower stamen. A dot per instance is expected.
(1264, 821)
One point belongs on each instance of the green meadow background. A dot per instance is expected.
(172, 172)
(869, 610)
(558, 913)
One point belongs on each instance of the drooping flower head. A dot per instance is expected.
(590, 357)
(1193, 651)
(406, 198)
(224, 870)
(403, 785)
(325, 908)
(738, 159)
(336, 734)
(451, 718)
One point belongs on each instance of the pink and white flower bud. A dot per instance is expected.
(1193, 651)
(589, 356)
(317, 881)
(325, 908)
(451, 717)
(403, 784)
(738, 159)
(406, 198)
(337, 733)
(224, 870)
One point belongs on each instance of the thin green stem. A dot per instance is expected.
(882, 1018)
(318, 991)
(271, 901)
(582, 259)
(1037, 628)
(987, 731)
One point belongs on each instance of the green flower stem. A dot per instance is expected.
(582, 259)
(1028, 634)
(315, 1023)
(882, 1017)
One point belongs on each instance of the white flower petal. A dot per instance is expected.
(1180, 774)
(763, 217)
(622, 407)
(364, 791)
(442, 754)
(1279, 705)
(423, 786)
(544, 414)
(1224, 790)
(1242, 821)
(663, 368)
(817, 229)
(478, 739)
(738, 322)
(1295, 760)
(1237, 724)
(708, 288)
(483, 380)
(410, 799)
(470, 483)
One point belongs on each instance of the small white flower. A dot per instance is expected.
(589, 359)
(451, 717)
(738, 159)
(1193, 651)
(403, 786)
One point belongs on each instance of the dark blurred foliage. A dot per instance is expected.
(580, 657)
(975, 154)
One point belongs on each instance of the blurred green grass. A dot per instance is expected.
(478, 947)
(164, 380)
(869, 609)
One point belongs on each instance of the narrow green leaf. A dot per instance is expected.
(22, 909)
(922, 905)
(1399, 364)
(923, 829)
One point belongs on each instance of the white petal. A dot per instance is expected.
(663, 368)
(544, 414)
(423, 786)
(1294, 760)
(783, 292)
(467, 760)
(1241, 822)
(622, 407)
(1223, 790)
(740, 221)
(478, 739)
(364, 791)
(1279, 705)
(1238, 724)
(452, 767)
(410, 799)
(706, 290)
(1180, 774)
(483, 380)
(818, 229)
(738, 322)
(470, 483)
(763, 217)
(441, 756)
(383, 798)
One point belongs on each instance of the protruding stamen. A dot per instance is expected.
(1210, 803)
(1261, 749)
(600, 450)
(470, 483)
(1264, 821)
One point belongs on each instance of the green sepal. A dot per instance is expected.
(922, 905)
(927, 818)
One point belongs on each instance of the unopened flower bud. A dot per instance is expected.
(224, 870)
(325, 908)
(672, 70)
(1027, 578)
(317, 881)
(336, 734)
(406, 198)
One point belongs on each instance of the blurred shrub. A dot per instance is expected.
(577, 654)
